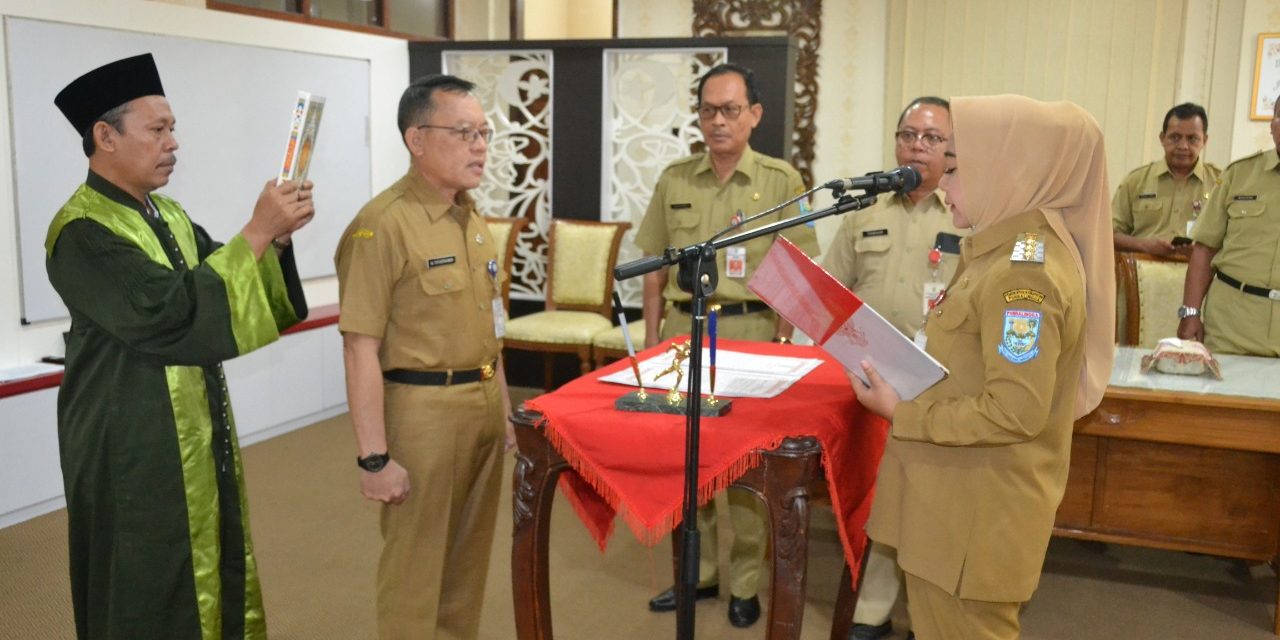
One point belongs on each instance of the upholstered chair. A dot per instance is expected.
(580, 260)
(609, 345)
(1151, 291)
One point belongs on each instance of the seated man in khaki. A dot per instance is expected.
(1160, 201)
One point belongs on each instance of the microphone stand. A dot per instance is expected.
(698, 276)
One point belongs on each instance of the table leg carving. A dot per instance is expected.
(782, 480)
(538, 466)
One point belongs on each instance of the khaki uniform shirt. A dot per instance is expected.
(690, 205)
(1242, 221)
(976, 465)
(882, 255)
(415, 271)
(1150, 203)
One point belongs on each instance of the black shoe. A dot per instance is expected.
(743, 612)
(871, 632)
(666, 601)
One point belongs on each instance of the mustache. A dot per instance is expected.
(168, 161)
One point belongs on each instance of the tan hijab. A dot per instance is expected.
(1017, 154)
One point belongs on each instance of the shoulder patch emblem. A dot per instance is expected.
(1028, 248)
(1020, 341)
(362, 234)
(1024, 294)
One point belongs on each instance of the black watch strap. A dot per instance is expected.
(373, 462)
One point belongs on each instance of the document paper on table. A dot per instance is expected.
(738, 375)
(819, 305)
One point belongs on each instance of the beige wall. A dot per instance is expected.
(1249, 136)
(568, 19)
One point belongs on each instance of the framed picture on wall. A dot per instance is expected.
(1266, 77)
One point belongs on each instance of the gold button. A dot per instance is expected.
(755, 196)
(479, 239)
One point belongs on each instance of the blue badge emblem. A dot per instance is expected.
(1021, 335)
(493, 268)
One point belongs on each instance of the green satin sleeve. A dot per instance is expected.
(253, 320)
(276, 285)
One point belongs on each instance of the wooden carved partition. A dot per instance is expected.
(799, 19)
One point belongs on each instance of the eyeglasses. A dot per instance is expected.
(1176, 139)
(907, 138)
(730, 111)
(467, 134)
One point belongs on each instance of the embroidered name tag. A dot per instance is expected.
(1245, 198)
(1021, 336)
(682, 205)
(875, 233)
(440, 262)
(1144, 196)
(1023, 294)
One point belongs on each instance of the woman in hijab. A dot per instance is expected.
(975, 467)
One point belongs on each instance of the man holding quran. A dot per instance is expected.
(694, 198)
(158, 532)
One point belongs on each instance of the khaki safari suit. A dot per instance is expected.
(976, 466)
(882, 254)
(415, 271)
(1150, 203)
(690, 205)
(1242, 221)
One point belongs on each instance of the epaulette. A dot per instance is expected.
(1250, 157)
(1144, 167)
(1028, 248)
(685, 160)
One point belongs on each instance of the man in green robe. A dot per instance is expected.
(158, 527)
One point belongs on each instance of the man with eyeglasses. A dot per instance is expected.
(898, 255)
(1231, 297)
(694, 198)
(420, 294)
(1156, 206)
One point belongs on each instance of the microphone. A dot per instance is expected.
(902, 180)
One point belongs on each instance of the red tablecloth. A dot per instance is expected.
(633, 463)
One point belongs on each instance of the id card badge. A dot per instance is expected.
(499, 318)
(735, 262)
(921, 339)
(931, 292)
(1191, 225)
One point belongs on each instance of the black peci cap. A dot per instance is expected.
(107, 87)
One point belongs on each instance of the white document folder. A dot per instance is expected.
(851, 331)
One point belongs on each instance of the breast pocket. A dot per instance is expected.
(1148, 211)
(1247, 224)
(872, 254)
(443, 289)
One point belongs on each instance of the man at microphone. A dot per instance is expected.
(898, 255)
(694, 198)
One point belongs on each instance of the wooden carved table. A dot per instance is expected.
(1182, 470)
(786, 480)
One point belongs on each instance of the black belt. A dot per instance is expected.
(1273, 294)
(727, 308)
(439, 378)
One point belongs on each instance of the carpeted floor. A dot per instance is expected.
(317, 543)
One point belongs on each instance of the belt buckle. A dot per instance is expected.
(448, 377)
(487, 371)
(1274, 294)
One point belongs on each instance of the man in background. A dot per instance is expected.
(157, 525)
(696, 197)
(1160, 201)
(1231, 297)
(897, 256)
(421, 315)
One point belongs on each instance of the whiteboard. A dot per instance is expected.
(232, 103)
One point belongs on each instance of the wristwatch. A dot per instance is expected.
(373, 462)
(1185, 312)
